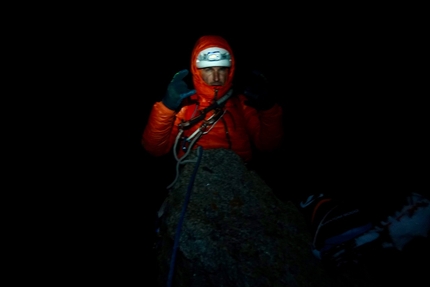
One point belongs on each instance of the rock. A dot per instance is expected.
(235, 231)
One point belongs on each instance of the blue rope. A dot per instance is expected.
(181, 218)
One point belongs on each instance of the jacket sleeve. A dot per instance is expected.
(157, 135)
(265, 127)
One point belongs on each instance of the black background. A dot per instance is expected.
(351, 88)
(354, 108)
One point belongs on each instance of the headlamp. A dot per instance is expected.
(212, 57)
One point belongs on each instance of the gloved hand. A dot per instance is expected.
(257, 91)
(177, 90)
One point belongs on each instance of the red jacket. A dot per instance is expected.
(240, 125)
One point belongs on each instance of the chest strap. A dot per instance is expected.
(202, 113)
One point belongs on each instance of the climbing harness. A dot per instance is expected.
(204, 128)
(217, 104)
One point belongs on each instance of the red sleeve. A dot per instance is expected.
(157, 135)
(265, 127)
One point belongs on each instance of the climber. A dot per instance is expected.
(213, 114)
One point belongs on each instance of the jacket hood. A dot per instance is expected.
(205, 92)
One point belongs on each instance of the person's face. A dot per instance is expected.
(214, 76)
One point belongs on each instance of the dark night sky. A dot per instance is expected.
(350, 94)
(350, 85)
(354, 111)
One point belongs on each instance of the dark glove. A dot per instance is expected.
(257, 91)
(177, 90)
